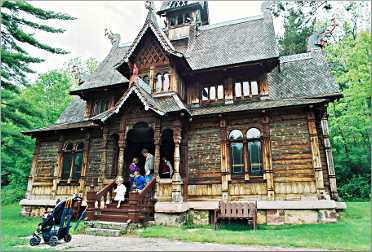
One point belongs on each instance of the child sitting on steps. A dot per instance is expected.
(120, 191)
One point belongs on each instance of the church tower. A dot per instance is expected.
(181, 15)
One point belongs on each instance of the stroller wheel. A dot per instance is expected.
(35, 241)
(67, 238)
(53, 241)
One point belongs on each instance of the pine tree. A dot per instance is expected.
(16, 111)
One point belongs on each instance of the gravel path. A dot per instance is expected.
(129, 243)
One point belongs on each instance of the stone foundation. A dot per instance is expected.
(171, 219)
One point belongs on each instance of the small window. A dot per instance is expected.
(255, 158)
(180, 19)
(107, 104)
(158, 82)
(245, 88)
(69, 146)
(212, 93)
(220, 92)
(254, 87)
(95, 110)
(76, 172)
(166, 82)
(237, 162)
(173, 21)
(80, 146)
(205, 94)
(67, 160)
(238, 89)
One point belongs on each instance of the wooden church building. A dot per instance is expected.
(236, 121)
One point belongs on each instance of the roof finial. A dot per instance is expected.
(319, 39)
(81, 77)
(114, 38)
(149, 5)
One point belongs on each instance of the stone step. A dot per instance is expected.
(106, 225)
(102, 231)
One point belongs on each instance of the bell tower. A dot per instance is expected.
(181, 15)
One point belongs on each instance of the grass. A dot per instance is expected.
(353, 232)
(15, 228)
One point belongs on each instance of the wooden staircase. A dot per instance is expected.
(138, 207)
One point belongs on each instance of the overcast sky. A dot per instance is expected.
(85, 36)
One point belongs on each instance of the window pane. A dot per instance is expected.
(237, 163)
(238, 89)
(77, 165)
(212, 93)
(255, 157)
(146, 79)
(235, 135)
(95, 110)
(173, 21)
(107, 104)
(205, 94)
(220, 92)
(67, 158)
(166, 82)
(69, 146)
(80, 146)
(254, 87)
(101, 107)
(180, 19)
(245, 88)
(158, 83)
(253, 133)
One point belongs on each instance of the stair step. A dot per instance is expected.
(111, 217)
(106, 225)
(115, 211)
(102, 231)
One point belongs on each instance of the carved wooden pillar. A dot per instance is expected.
(317, 164)
(58, 167)
(105, 137)
(85, 163)
(267, 159)
(330, 164)
(33, 169)
(121, 144)
(184, 156)
(224, 159)
(157, 148)
(176, 179)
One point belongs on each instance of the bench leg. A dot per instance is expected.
(215, 220)
(255, 223)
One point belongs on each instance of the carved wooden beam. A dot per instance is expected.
(267, 157)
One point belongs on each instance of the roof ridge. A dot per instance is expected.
(230, 22)
(294, 57)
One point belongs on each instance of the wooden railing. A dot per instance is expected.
(99, 200)
(141, 204)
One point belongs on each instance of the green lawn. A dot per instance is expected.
(353, 232)
(15, 228)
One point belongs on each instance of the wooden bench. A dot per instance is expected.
(236, 210)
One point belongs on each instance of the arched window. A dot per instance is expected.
(166, 82)
(158, 83)
(236, 152)
(72, 160)
(254, 151)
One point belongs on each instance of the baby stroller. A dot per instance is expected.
(53, 227)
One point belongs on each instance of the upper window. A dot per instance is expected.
(162, 82)
(247, 88)
(212, 92)
(251, 155)
(100, 106)
(146, 79)
(72, 160)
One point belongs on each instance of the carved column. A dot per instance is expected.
(33, 169)
(121, 144)
(85, 163)
(105, 137)
(317, 164)
(58, 167)
(267, 159)
(330, 164)
(157, 148)
(176, 179)
(224, 159)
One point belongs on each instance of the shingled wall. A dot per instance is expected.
(94, 160)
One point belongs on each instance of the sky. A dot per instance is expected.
(85, 36)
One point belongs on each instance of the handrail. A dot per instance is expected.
(146, 188)
(105, 189)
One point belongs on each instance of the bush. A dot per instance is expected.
(358, 188)
(12, 193)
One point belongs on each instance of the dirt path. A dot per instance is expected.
(127, 243)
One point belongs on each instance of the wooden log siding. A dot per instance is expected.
(85, 164)
(293, 173)
(46, 160)
(105, 139)
(94, 161)
(157, 148)
(317, 164)
(223, 160)
(31, 178)
(204, 162)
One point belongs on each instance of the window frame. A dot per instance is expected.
(215, 86)
(162, 82)
(247, 166)
(74, 152)
(241, 81)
